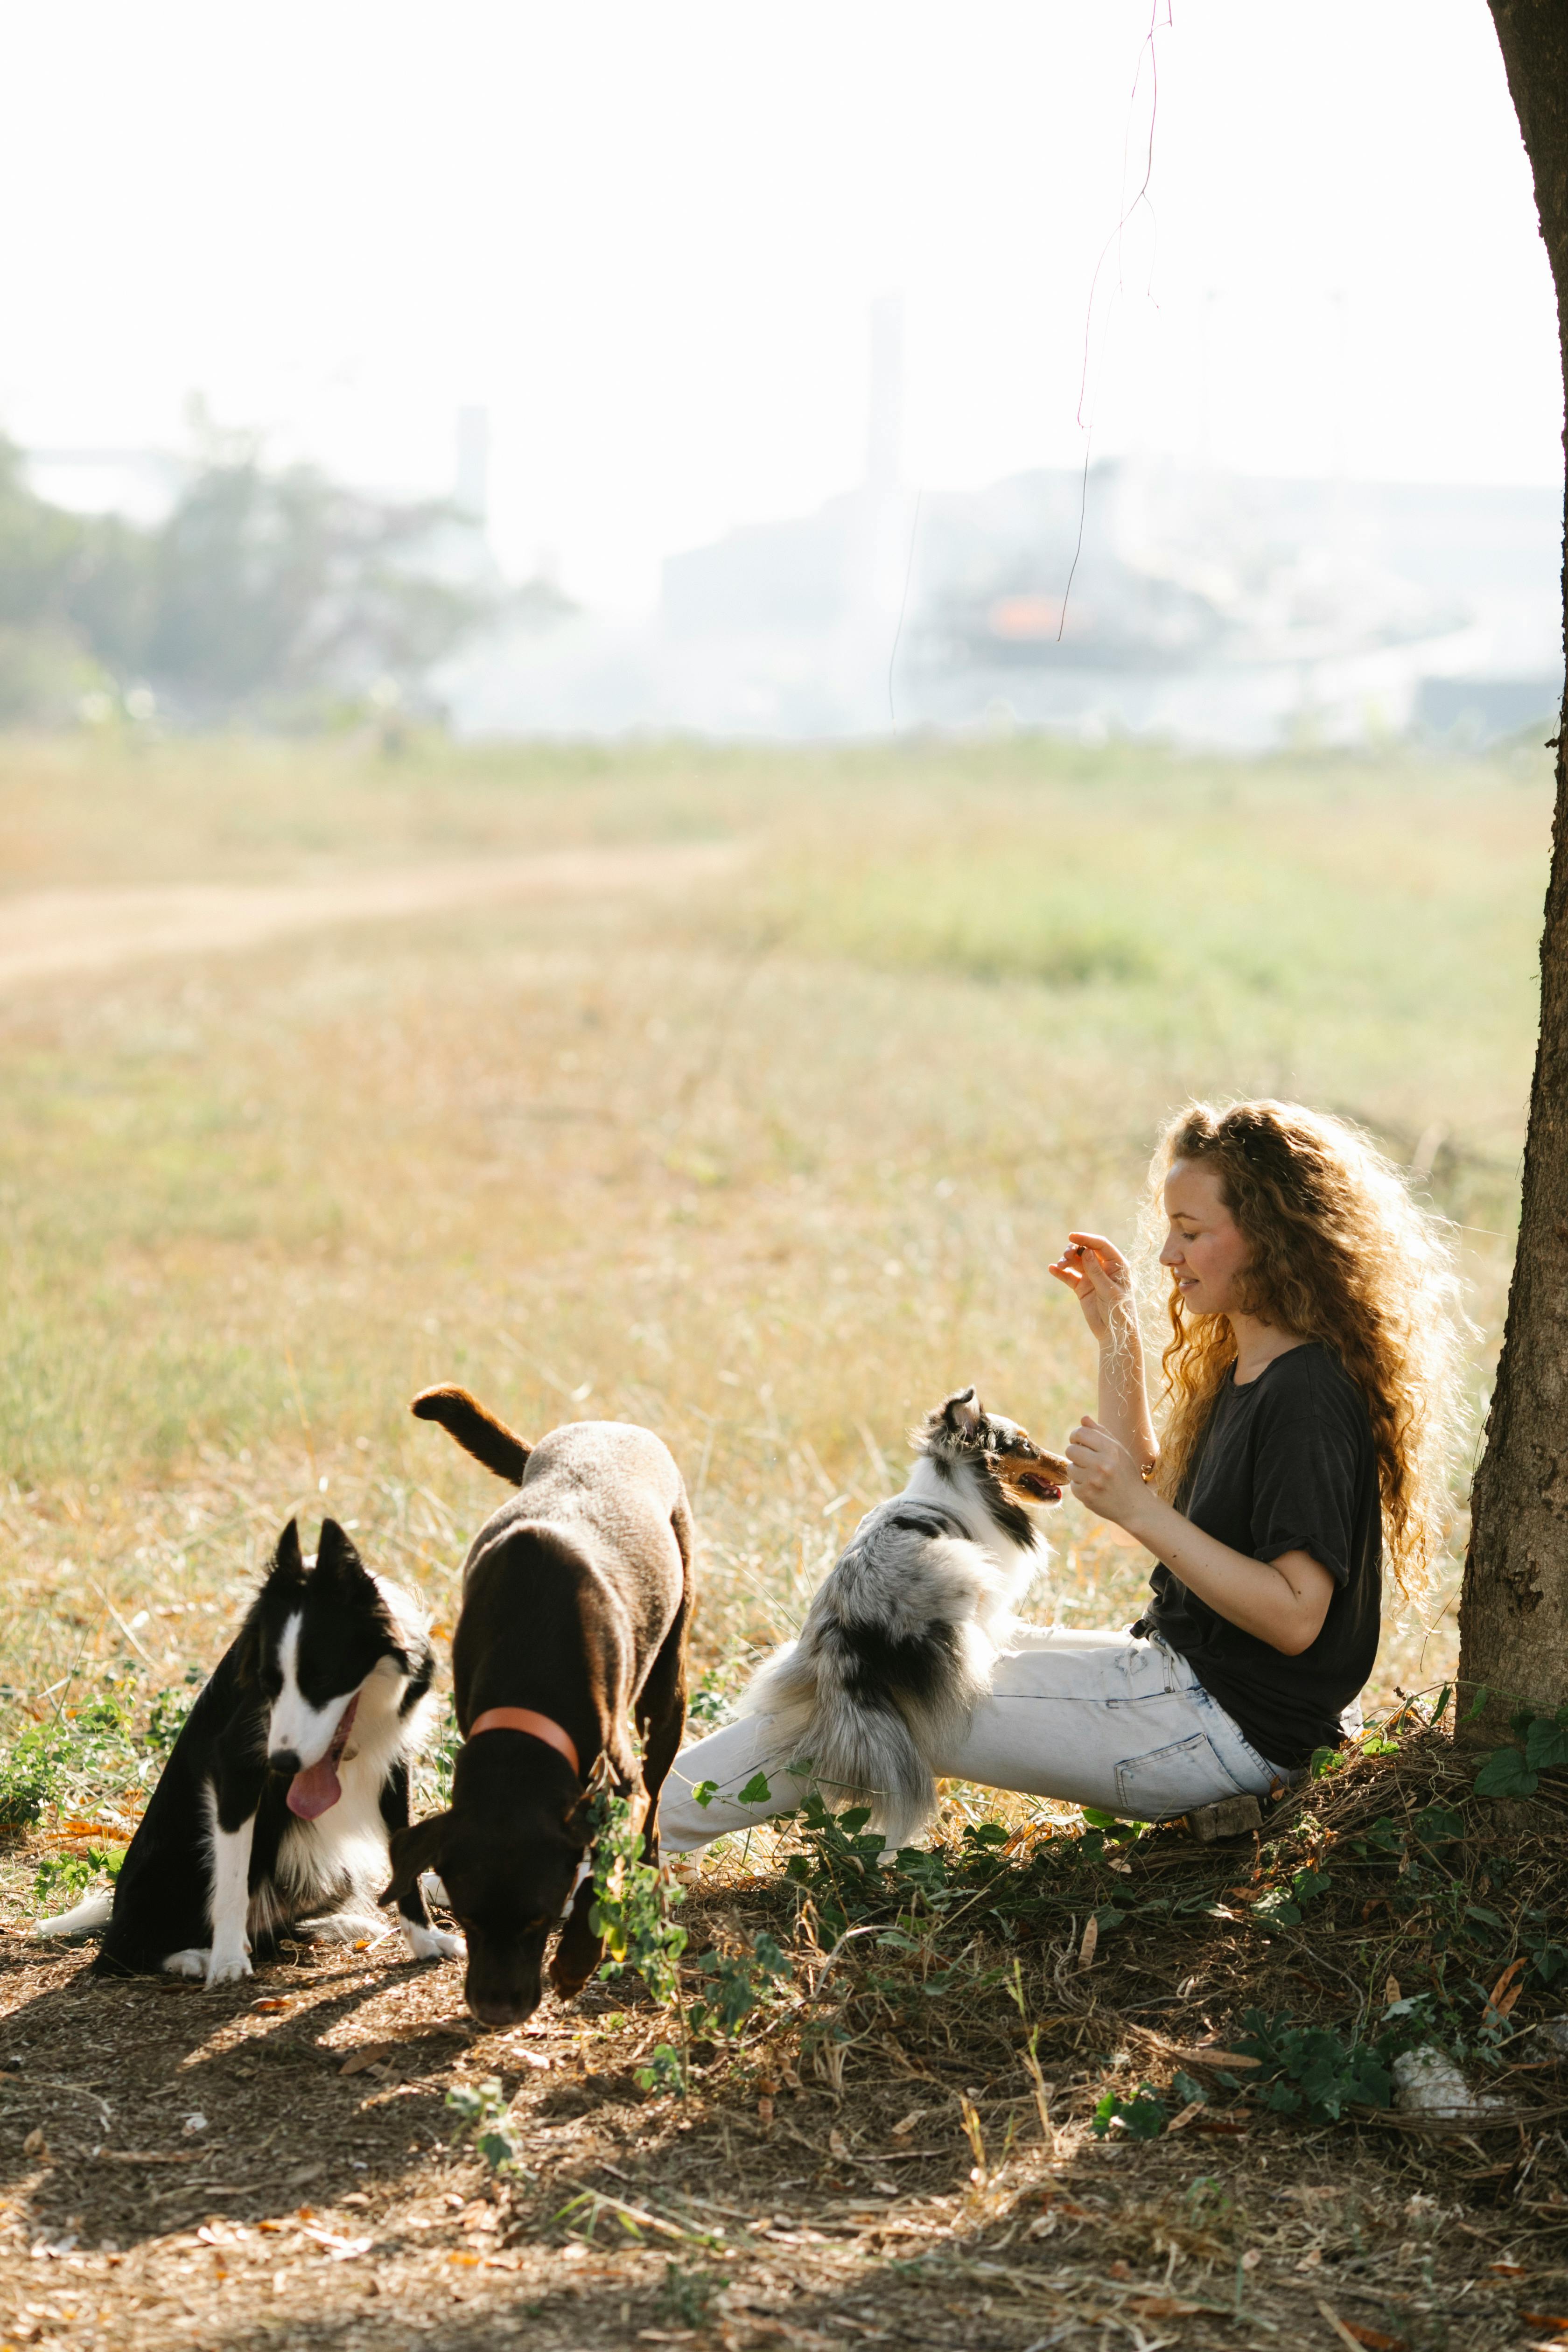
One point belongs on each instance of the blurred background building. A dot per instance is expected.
(1138, 596)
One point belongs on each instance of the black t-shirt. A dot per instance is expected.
(1286, 1463)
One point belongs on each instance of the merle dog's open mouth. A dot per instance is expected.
(317, 1789)
(1036, 1483)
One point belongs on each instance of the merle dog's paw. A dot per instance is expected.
(432, 1943)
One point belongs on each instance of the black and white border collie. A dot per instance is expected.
(900, 1637)
(289, 1776)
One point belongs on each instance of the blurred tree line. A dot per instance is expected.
(273, 595)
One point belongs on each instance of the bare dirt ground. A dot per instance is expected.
(275, 2165)
(45, 932)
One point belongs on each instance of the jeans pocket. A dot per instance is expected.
(1172, 1779)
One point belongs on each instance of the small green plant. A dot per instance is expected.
(631, 1902)
(665, 2070)
(1312, 2071)
(30, 1777)
(66, 1877)
(443, 1756)
(736, 1985)
(167, 1719)
(688, 2295)
(481, 2109)
(1282, 1905)
(709, 1704)
(1143, 2117)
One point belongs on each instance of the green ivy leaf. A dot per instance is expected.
(1545, 1744)
(1478, 1704)
(1505, 1773)
(705, 1793)
(757, 1791)
(1435, 1825)
(1143, 2117)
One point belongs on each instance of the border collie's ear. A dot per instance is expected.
(964, 1413)
(413, 1852)
(335, 1554)
(287, 1564)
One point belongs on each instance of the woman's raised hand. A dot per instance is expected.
(1104, 1475)
(1099, 1278)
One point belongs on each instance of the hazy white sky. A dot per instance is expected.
(644, 234)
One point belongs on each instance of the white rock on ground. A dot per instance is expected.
(1427, 2081)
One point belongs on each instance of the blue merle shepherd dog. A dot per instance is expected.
(900, 1640)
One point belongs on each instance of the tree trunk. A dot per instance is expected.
(1513, 1616)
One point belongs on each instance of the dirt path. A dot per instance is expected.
(47, 932)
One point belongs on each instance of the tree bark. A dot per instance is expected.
(1513, 1615)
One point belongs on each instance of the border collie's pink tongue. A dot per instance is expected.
(317, 1790)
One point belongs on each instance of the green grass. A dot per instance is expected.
(769, 1165)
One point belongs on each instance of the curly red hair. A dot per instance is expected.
(1339, 1253)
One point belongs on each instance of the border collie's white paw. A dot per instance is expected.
(432, 1943)
(190, 1963)
(229, 1963)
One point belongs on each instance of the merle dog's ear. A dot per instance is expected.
(287, 1563)
(964, 1413)
(336, 1557)
(413, 1852)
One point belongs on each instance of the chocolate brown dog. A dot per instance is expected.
(576, 1598)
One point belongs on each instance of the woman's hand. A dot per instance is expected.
(1099, 1278)
(1105, 1480)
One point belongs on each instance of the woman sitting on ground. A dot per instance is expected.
(1311, 1407)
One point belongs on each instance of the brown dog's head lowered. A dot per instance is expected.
(960, 1430)
(507, 1854)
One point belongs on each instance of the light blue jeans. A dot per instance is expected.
(1104, 1719)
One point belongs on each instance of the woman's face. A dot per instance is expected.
(1205, 1248)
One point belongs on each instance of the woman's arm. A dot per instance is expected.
(1101, 1279)
(1282, 1602)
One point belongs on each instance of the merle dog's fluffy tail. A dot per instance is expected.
(478, 1433)
(850, 1729)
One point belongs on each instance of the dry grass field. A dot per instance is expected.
(752, 1111)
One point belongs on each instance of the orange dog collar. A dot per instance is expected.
(523, 1718)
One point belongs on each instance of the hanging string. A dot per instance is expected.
(1115, 238)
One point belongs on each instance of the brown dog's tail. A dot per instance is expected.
(478, 1433)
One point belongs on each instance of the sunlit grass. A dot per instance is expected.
(770, 1168)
